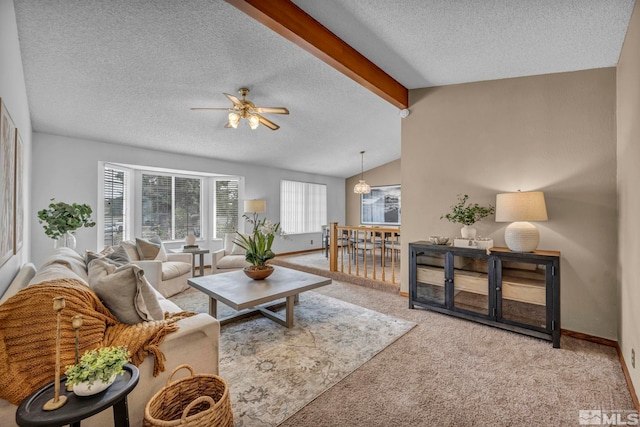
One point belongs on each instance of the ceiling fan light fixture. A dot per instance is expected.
(362, 187)
(234, 119)
(254, 121)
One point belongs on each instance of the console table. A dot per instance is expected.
(30, 413)
(516, 291)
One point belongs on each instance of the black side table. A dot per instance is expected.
(77, 408)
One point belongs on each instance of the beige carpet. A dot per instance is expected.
(451, 372)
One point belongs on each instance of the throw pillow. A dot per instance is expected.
(116, 255)
(124, 291)
(151, 249)
(237, 249)
(131, 249)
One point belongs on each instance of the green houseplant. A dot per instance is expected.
(467, 214)
(257, 246)
(61, 219)
(97, 369)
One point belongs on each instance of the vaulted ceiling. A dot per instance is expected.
(128, 71)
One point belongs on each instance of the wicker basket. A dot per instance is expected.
(196, 401)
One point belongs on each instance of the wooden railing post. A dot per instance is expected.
(333, 247)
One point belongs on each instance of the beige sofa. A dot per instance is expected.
(196, 342)
(231, 257)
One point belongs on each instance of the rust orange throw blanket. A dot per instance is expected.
(28, 335)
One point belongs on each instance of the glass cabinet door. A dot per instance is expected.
(471, 284)
(430, 278)
(522, 295)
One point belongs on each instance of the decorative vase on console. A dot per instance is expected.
(467, 215)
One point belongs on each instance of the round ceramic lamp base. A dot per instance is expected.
(522, 237)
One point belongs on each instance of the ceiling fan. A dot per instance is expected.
(245, 109)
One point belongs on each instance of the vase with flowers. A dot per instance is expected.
(257, 246)
(467, 215)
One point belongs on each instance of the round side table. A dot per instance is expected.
(77, 408)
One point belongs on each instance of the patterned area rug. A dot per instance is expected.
(273, 371)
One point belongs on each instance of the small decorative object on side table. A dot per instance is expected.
(30, 413)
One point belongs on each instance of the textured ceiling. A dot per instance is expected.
(127, 72)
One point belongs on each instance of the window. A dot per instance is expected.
(226, 207)
(115, 184)
(170, 206)
(303, 207)
(141, 201)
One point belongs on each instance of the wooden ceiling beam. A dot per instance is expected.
(291, 22)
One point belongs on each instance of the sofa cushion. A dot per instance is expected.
(55, 271)
(173, 269)
(70, 259)
(124, 291)
(232, 261)
(228, 242)
(151, 249)
(131, 248)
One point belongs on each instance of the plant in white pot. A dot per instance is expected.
(467, 215)
(97, 369)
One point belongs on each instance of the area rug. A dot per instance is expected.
(273, 371)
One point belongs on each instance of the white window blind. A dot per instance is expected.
(170, 206)
(115, 203)
(226, 207)
(303, 207)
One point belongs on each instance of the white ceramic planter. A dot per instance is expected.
(84, 389)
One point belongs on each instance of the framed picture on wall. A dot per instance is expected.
(381, 206)
(7, 178)
(18, 194)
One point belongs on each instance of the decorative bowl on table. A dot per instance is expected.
(438, 240)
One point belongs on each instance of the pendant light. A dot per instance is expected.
(362, 187)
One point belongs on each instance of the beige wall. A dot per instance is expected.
(387, 174)
(628, 112)
(555, 133)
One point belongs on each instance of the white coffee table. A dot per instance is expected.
(249, 296)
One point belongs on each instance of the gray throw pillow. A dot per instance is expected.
(124, 291)
(116, 255)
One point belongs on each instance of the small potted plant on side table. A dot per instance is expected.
(467, 215)
(97, 370)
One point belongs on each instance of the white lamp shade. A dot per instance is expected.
(255, 206)
(521, 206)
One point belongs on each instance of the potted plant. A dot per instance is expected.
(62, 219)
(467, 215)
(97, 369)
(258, 246)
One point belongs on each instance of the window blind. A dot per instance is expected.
(226, 207)
(115, 185)
(303, 207)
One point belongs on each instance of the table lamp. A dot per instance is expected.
(255, 207)
(519, 208)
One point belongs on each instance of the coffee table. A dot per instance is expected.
(250, 296)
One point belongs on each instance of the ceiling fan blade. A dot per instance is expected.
(213, 108)
(271, 110)
(233, 99)
(268, 123)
